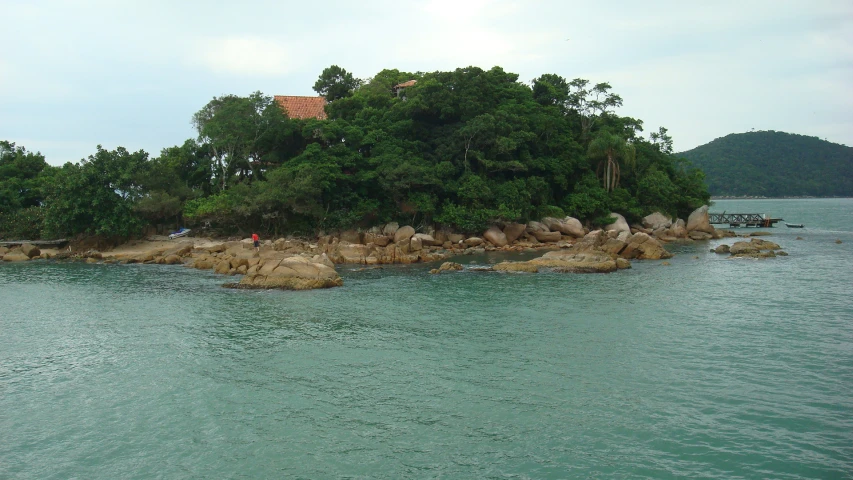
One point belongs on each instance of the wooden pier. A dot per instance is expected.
(744, 219)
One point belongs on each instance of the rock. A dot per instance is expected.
(455, 237)
(293, 273)
(15, 255)
(533, 227)
(180, 250)
(349, 253)
(203, 264)
(622, 263)
(576, 262)
(697, 235)
(546, 237)
(415, 244)
(496, 237)
(657, 221)
(426, 240)
(764, 244)
(323, 259)
(613, 245)
(404, 233)
(448, 267)
(3, 250)
(515, 267)
(838, 241)
(223, 267)
(678, 229)
(216, 248)
(172, 260)
(92, 260)
(650, 249)
(798, 238)
(782, 253)
(512, 231)
(351, 236)
(572, 226)
(665, 264)
(390, 229)
(30, 250)
(743, 247)
(473, 241)
(594, 240)
(381, 241)
(620, 225)
(721, 249)
(759, 234)
(699, 221)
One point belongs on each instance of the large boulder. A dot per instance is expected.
(657, 221)
(473, 241)
(620, 225)
(512, 231)
(700, 221)
(349, 253)
(678, 229)
(425, 239)
(594, 240)
(547, 236)
(496, 237)
(403, 233)
(533, 227)
(352, 236)
(576, 262)
(30, 250)
(292, 273)
(567, 226)
(15, 255)
(390, 229)
(645, 247)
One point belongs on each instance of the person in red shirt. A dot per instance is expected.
(257, 241)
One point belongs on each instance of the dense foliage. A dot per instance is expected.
(464, 149)
(775, 164)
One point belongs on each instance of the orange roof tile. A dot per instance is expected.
(406, 84)
(302, 107)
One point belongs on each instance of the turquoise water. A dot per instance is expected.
(706, 368)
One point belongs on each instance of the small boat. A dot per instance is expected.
(794, 225)
(183, 232)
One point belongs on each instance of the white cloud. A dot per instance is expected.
(246, 56)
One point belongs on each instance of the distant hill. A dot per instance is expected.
(774, 164)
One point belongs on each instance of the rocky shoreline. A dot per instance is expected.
(299, 264)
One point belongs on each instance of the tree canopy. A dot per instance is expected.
(464, 148)
(775, 164)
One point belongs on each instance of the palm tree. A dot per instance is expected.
(610, 148)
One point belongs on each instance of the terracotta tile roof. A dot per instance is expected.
(406, 84)
(302, 107)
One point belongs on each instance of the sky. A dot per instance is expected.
(77, 74)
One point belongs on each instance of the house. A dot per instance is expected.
(302, 107)
(396, 89)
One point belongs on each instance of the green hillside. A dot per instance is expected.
(774, 164)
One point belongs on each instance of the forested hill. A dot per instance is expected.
(774, 164)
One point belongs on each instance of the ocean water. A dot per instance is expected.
(704, 368)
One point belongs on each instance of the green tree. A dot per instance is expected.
(97, 196)
(610, 149)
(335, 83)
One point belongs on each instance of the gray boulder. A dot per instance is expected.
(495, 236)
(620, 225)
(656, 221)
(403, 233)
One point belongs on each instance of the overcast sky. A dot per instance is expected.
(77, 74)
